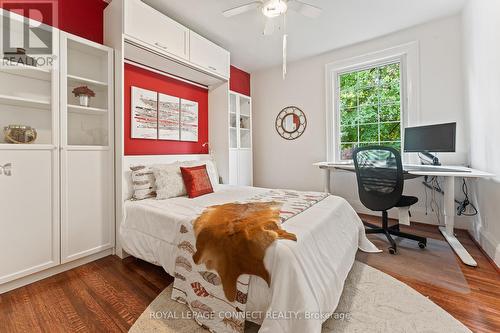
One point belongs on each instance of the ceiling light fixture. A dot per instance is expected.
(274, 8)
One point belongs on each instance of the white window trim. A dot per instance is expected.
(408, 56)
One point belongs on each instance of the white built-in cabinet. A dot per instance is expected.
(56, 200)
(145, 27)
(206, 54)
(240, 140)
(29, 210)
(29, 188)
(148, 25)
(87, 140)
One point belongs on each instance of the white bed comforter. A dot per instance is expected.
(307, 276)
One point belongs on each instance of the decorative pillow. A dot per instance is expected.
(169, 182)
(211, 170)
(143, 182)
(196, 180)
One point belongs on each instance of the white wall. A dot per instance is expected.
(288, 164)
(481, 31)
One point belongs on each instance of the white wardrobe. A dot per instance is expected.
(56, 194)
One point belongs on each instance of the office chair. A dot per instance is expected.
(380, 175)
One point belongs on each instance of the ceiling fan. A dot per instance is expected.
(272, 9)
(275, 8)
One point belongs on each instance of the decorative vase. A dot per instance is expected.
(84, 100)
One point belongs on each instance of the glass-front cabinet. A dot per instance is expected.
(87, 96)
(87, 147)
(240, 121)
(240, 139)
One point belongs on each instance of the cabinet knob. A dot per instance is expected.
(212, 68)
(6, 169)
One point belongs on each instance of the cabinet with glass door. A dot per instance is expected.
(87, 147)
(240, 139)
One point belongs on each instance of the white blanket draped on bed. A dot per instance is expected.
(307, 276)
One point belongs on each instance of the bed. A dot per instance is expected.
(315, 267)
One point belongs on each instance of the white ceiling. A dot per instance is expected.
(343, 22)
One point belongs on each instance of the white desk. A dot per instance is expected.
(449, 196)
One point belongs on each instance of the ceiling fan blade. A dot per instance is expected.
(304, 8)
(241, 9)
(269, 27)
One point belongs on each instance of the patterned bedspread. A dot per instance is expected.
(202, 290)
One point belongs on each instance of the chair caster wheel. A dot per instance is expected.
(422, 245)
(392, 250)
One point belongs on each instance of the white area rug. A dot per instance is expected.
(373, 300)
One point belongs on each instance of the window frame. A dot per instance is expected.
(407, 56)
(338, 128)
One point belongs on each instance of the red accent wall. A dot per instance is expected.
(84, 18)
(138, 77)
(240, 81)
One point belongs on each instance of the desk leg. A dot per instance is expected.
(449, 220)
(326, 188)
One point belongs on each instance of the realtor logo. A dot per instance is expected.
(27, 32)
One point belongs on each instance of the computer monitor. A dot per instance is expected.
(438, 138)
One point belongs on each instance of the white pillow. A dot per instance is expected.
(169, 182)
(143, 182)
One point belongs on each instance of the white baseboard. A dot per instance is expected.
(122, 254)
(488, 243)
(52, 271)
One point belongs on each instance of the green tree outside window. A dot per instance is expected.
(370, 108)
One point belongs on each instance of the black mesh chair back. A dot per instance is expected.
(379, 171)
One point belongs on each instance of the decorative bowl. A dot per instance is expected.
(20, 134)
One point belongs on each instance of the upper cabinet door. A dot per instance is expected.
(150, 26)
(208, 55)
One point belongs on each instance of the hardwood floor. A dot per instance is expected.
(479, 308)
(108, 295)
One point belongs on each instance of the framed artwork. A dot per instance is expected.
(144, 114)
(189, 121)
(168, 117)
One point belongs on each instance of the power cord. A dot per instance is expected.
(463, 206)
(433, 185)
(426, 198)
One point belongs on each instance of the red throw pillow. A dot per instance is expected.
(196, 180)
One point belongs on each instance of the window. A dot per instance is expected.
(369, 108)
(370, 99)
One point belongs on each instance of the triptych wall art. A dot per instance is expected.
(157, 116)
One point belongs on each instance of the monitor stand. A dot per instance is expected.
(433, 158)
